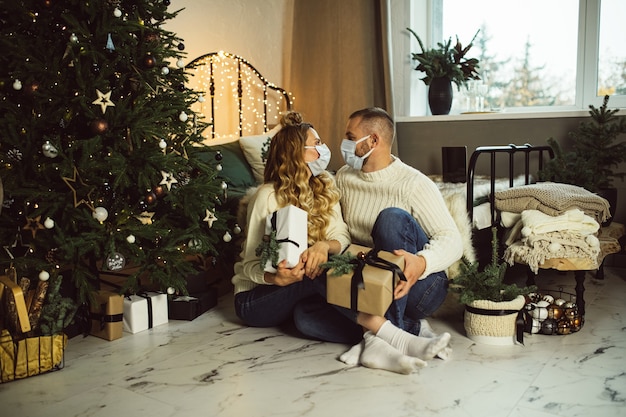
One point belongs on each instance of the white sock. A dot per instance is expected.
(352, 355)
(419, 347)
(427, 331)
(378, 354)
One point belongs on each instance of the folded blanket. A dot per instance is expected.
(553, 199)
(536, 249)
(576, 221)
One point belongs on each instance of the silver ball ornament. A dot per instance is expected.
(227, 237)
(49, 150)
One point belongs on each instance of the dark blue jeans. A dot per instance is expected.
(305, 301)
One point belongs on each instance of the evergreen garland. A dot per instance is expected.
(57, 312)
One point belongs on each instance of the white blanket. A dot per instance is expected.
(536, 222)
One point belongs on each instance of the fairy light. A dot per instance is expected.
(235, 79)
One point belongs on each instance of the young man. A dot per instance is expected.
(394, 207)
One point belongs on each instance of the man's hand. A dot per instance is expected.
(414, 267)
(313, 257)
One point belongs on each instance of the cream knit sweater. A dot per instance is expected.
(364, 195)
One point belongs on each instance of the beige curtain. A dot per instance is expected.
(339, 63)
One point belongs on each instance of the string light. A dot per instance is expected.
(228, 82)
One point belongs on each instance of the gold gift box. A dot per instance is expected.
(376, 294)
(106, 315)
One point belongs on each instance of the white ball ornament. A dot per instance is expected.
(17, 85)
(162, 144)
(73, 38)
(536, 326)
(48, 223)
(44, 276)
(219, 167)
(224, 185)
(559, 302)
(130, 239)
(227, 237)
(49, 150)
(548, 298)
(183, 116)
(539, 313)
(237, 229)
(117, 12)
(543, 303)
(180, 63)
(200, 98)
(100, 214)
(165, 70)
(170, 290)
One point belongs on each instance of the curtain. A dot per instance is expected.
(339, 63)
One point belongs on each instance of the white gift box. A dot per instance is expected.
(142, 312)
(290, 224)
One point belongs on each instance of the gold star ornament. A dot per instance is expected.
(103, 100)
(34, 224)
(210, 218)
(168, 179)
(81, 191)
(145, 217)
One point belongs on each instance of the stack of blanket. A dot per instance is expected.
(557, 221)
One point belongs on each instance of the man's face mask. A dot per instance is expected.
(320, 164)
(348, 148)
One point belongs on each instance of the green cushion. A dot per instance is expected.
(235, 168)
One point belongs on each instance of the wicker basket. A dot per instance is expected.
(493, 323)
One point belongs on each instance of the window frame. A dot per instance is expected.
(424, 16)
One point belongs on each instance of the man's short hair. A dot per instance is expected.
(373, 117)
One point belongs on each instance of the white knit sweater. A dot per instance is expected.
(366, 194)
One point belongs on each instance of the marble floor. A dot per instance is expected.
(213, 366)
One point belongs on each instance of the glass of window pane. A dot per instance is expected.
(612, 55)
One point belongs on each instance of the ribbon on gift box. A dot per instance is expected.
(105, 318)
(370, 258)
(149, 299)
(285, 240)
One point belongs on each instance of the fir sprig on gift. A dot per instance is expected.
(268, 249)
(340, 264)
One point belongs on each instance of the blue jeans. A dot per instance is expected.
(397, 229)
(303, 302)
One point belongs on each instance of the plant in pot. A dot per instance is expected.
(492, 307)
(443, 66)
(596, 152)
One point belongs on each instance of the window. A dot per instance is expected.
(537, 54)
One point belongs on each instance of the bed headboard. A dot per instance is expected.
(237, 99)
(527, 152)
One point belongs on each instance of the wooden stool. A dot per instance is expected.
(609, 244)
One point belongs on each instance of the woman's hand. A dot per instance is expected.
(285, 276)
(313, 257)
(414, 267)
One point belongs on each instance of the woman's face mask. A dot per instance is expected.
(348, 149)
(320, 164)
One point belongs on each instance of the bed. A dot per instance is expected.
(543, 225)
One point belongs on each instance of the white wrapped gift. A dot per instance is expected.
(142, 312)
(290, 224)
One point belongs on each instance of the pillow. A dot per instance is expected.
(235, 168)
(252, 147)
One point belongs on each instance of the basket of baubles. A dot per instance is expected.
(552, 312)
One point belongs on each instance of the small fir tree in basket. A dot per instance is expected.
(487, 284)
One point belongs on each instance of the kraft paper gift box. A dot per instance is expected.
(291, 228)
(106, 315)
(189, 307)
(375, 294)
(144, 311)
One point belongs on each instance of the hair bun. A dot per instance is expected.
(291, 118)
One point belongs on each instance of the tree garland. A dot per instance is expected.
(340, 264)
(268, 249)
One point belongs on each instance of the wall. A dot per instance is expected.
(420, 142)
(259, 31)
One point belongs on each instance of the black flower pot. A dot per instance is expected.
(440, 95)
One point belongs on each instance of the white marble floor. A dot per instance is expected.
(213, 366)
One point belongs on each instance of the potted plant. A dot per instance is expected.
(492, 307)
(596, 152)
(443, 66)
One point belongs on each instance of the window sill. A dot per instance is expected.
(510, 115)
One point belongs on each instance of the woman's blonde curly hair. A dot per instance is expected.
(286, 168)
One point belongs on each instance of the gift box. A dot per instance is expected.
(106, 315)
(369, 288)
(188, 307)
(290, 225)
(144, 311)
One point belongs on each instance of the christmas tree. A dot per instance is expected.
(100, 154)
